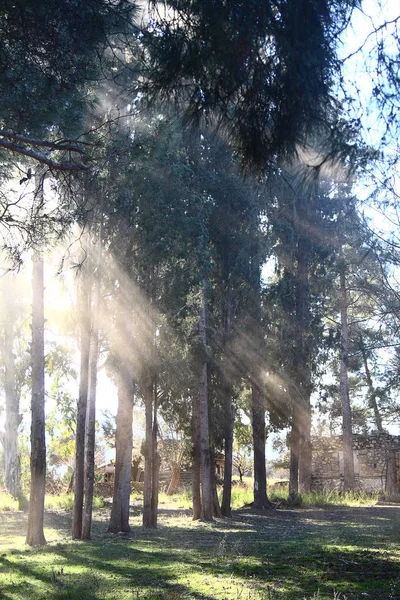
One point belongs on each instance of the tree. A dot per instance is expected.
(119, 519)
(122, 358)
(348, 458)
(242, 447)
(50, 52)
(84, 298)
(35, 534)
(9, 438)
(265, 72)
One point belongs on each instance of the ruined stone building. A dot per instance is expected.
(376, 463)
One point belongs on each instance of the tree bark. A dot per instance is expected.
(35, 533)
(294, 452)
(229, 412)
(13, 418)
(205, 455)
(90, 434)
(216, 509)
(391, 484)
(348, 458)
(79, 470)
(258, 425)
(148, 396)
(175, 480)
(302, 411)
(256, 381)
(196, 481)
(155, 463)
(372, 396)
(228, 452)
(305, 462)
(119, 519)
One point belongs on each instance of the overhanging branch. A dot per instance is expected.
(19, 144)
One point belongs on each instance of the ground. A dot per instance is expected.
(287, 554)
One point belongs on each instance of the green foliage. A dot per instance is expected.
(335, 498)
(265, 71)
(66, 502)
(8, 503)
(49, 51)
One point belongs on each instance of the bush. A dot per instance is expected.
(66, 502)
(8, 503)
(336, 498)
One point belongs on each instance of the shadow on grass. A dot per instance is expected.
(288, 554)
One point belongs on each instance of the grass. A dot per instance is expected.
(334, 498)
(60, 502)
(289, 554)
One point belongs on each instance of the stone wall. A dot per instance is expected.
(371, 456)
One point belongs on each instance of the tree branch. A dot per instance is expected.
(65, 144)
(42, 158)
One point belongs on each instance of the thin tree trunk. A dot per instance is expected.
(294, 452)
(305, 463)
(302, 435)
(79, 470)
(175, 480)
(148, 396)
(119, 519)
(155, 463)
(205, 455)
(216, 509)
(13, 418)
(196, 481)
(35, 533)
(258, 425)
(229, 412)
(257, 394)
(90, 433)
(348, 459)
(90, 436)
(372, 396)
(228, 453)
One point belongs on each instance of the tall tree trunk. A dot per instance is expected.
(229, 412)
(305, 464)
(257, 388)
(348, 458)
(35, 533)
(216, 509)
(149, 466)
(155, 463)
(79, 471)
(302, 411)
(148, 406)
(90, 434)
(196, 481)
(205, 455)
(119, 520)
(258, 425)
(294, 452)
(13, 418)
(228, 452)
(372, 396)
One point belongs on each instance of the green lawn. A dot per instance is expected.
(341, 552)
